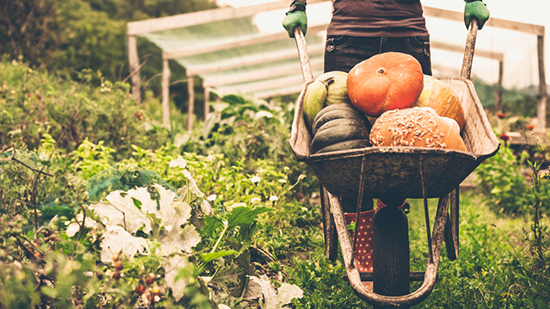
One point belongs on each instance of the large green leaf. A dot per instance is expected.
(242, 215)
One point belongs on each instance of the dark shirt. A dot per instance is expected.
(377, 18)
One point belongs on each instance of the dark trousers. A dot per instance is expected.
(343, 52)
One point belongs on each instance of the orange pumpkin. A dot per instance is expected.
(442, 98)
(384, 82)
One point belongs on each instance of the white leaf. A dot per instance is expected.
(178, 162)
(116, 240)
(171, 210)
(141, 194)
(261, 114)
(178, 240)
(206, 207)
(253, 289)
(74, 227)
(122, 211)
(286, 293)
(168, 210)
(173, 207)
(122, 218)
(191, 238)
(175, 239)
(274, 300)
(171, 266)
(193, 184)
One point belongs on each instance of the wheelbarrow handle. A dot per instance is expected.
(469, 50)
(302, 53)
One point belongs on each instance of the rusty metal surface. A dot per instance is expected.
(392, 171)
(329, 230)
(451, 228)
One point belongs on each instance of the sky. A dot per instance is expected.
(519, 49)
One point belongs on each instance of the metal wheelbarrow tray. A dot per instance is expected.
(409, 172)
(390, 171)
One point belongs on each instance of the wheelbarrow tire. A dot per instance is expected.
(329, 228)
(391, 252)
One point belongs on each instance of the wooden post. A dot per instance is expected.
(165, 93)
(541, 106)
(498, 99)
(191, 106)
(133, 60)
(206, 102)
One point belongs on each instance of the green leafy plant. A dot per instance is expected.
(250, 130)
(34, 103)
(503, 180)
(324, 284)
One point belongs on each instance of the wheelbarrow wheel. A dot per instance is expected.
(329, 228)
(391, 253)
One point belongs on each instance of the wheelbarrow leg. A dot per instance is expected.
(329, 229)
(451, 227)
(391, 253)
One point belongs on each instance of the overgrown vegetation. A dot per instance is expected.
(518, 102)
(102, 207)
(36, 104)
(68, 36)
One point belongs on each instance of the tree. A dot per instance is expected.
(67, 36)
(28, 29)
(89, 39)
(131, 10)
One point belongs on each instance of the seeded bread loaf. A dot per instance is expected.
(416, 127)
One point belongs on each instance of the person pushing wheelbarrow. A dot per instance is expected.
(358, 30)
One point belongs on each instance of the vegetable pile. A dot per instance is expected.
(386, 100)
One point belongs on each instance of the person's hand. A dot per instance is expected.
(296, 16)
(475, 9)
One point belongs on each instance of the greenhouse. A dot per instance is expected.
(245, 50)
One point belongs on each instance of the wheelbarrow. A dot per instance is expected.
(409, 172)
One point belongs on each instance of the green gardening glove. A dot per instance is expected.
(475, 9)
(296, 16)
